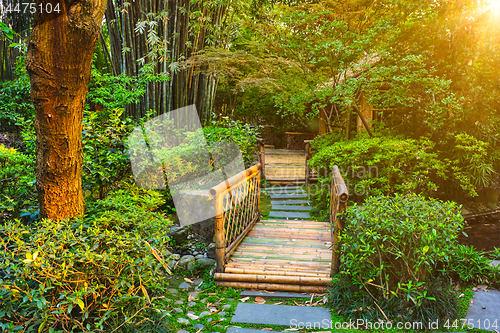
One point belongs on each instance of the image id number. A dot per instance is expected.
(27, 7)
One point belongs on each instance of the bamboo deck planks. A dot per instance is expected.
(286, 255)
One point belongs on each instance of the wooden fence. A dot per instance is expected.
(236, 204)
(338, 202)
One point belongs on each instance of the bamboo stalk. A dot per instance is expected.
(324, 269)
(220, 241)
(277, 287)
(281, 279)
(235, 270)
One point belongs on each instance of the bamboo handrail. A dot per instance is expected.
(236, 210)
(338, 203)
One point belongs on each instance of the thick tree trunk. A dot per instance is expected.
(59, 63)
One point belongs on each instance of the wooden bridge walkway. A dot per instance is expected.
(288, 251)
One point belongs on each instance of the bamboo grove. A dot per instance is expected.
(150, 39)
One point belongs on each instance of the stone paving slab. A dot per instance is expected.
(286, 315)
(288, 196)
(485, 317)
(280, 187)
(290, 215)
(292, 207)
(245, 330)
(290, 202)
(275, 295)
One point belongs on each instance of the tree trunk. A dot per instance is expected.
(59, 63)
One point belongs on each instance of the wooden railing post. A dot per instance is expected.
(220, 234)
(338, 203)
(262, 156)
(308, 156)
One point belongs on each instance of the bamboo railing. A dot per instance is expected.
(338, 202)
(236, 205)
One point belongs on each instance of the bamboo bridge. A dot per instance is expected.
(280, 253)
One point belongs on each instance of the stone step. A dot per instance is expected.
(290, 215)
(273, 295)
(285, 315)
(246, 330)
(290, 202)
(285, 186)
(291, 207)
(288, 196)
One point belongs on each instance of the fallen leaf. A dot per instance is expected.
(461, 295)
(278, 304)
(266, 329)
(190, 298)
(297, 303)
(244, 299)
(188, 280)
(291, 329)
(260, 300)
(482, 287)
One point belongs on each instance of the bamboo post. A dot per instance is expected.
(308, 152)
(262, 156)
(220, 233)
(338, 203)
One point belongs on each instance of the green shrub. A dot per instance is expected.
(471, 266)
(238, 133)
(380, 165)
(384, 165)
(393, 247)
(76, 275)
(15, 100)
(106, 160)
(17, 181)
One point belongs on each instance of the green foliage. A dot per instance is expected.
(75, 275)
(17, 181)
(111, 92)
(106, 159)
(471, 266)
(453, 166)
(380, 165)
(236, 132)
(392, 248)
(15, 100)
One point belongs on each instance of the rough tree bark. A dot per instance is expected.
(59, 64)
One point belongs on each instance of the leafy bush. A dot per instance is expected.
(393, 247)
(380, 165)
(78, 274)
(471, 266)
(17, 181)
(106, 159)
(236, 132)
(111, 92)
(15, 100)
(385, 165)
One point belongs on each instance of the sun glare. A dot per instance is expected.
(495, 6)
